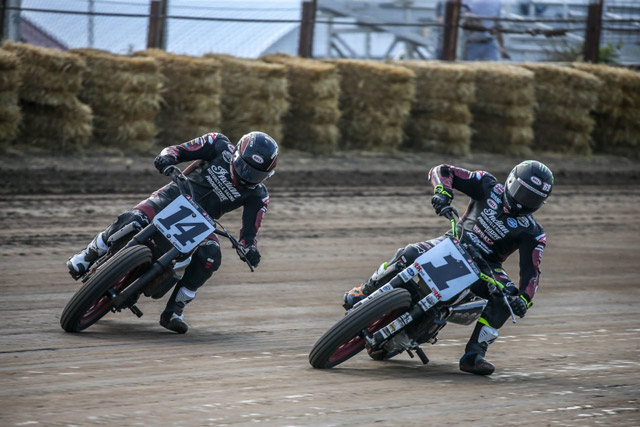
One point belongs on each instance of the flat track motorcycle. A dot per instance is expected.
(144, 260)
(413, 306)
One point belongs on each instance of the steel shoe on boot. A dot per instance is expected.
(174, 322)
(353, 296)
(475, 364)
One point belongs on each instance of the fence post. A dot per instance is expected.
(450, 37)
(10, 20)
(157, 24)
(307, 23)
(594, 28)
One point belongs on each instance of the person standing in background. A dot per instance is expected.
(483, 45)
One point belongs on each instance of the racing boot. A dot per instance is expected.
(353, 296)
(172, 317)
(473, 360)
(382, 276)
(80, 263)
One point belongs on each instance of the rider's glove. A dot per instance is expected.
(253, 255)
(161, 162)
(442, 198)
(519, 303)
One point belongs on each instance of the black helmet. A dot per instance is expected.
(255, 159)
(527, 187)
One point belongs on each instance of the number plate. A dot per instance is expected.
(184, 223)
(446, 269)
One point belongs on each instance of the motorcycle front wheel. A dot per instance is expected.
(344, 340)
(94, 299)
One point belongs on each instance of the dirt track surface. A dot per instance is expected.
(573, 360)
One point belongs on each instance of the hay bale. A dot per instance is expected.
(375, 101)
(191, 95)
(10, 80)
(124, 93)
(65, 128)
(50, 72)
(440, 109)
(311, 123)
(503, 111)
(53, 117)
(254, 96)
(563, 118)
(616, 130)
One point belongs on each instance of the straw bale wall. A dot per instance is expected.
(563, 125)
(617, 128)
(375, 101)
(191, 96)
(311, 123)
(53, 117)
(440, 115)
(503, 112)
(124, 93)
(10, 80)
(254, 97)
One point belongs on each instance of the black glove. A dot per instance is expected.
(519, 303)
(161, 162)
(441, 198)
(253, 255)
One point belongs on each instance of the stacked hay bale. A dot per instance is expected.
(191, 96)
(565, 98)
(124, 93)
(9, 108)
(254, 96)
(53, 117)
(503, 111)
(440, 115)
(617, 112)
(375, 101)
(314, 91)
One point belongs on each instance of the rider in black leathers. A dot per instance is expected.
(224, 177)
(498, 221)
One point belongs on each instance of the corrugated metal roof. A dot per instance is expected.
(194, 37)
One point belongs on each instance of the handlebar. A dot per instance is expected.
(176, 175)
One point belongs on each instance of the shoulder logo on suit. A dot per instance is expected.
(226, 156)
(511, 222)
(523, 221)
(492, 204)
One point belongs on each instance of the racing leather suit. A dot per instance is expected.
(215, 191)
(494, 234)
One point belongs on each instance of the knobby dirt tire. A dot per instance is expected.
(90, 303)
(342, 341)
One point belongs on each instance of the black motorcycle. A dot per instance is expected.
(414, 306)
(144, 261)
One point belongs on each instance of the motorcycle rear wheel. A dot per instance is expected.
(343, 340)
(92, 300)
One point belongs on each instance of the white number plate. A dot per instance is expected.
(184, 223)
(446, 270)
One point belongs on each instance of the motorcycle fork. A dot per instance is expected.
(129, 296)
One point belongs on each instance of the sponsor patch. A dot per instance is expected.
(492, 204)
(226, 156)
(511, 222)
(536, 180)
(523, 221)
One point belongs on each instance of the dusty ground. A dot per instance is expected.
(574, 359)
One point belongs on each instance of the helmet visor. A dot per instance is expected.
(526, 195)
(248, 173)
